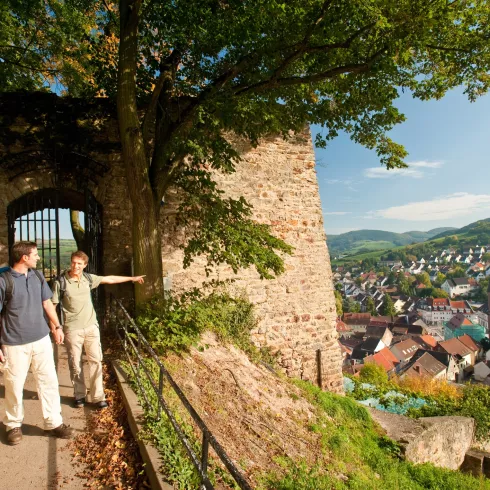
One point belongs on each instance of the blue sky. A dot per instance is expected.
(447, 184)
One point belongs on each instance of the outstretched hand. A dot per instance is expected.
(139, 279)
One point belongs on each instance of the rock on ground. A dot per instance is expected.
(442, 441)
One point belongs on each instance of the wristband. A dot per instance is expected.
(59, 327)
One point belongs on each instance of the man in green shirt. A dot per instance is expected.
(80, 325)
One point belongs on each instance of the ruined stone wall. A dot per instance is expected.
(296, 311)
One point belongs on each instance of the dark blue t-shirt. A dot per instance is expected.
(23, 321)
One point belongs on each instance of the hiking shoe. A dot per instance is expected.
(79, 403)
(14, 436)
(101, 405)
(63, 431)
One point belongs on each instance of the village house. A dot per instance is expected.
(436, 311)
(425, 366)
(385, 359)
(443, 357)
(475, 348)
(357, 322)
(460, 352)
(380, 332)
(404, 350)
(482, 315)
(368, 347)
(343, 329)
(460, 325)
(457, 286)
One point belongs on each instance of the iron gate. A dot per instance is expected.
(35, 217)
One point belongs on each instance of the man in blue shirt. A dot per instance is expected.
(26, 344)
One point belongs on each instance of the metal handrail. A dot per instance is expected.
(201, 464)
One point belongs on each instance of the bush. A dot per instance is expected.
(372, 373)
(174, 324)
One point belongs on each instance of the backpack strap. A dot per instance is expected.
(62, 280)
(9, 290)
(89, 278)
(39, 276)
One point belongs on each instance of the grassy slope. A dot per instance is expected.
(345, 449)
(359, 457)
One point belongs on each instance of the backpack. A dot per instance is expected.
(9, 290)
(62, 280)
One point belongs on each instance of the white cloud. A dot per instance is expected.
(414, 170)
(441, 208)
(426, 164)
(337, 213)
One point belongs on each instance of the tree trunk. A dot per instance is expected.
(77, 229)
(147, 251)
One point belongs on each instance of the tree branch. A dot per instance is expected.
(39, 69)
(443, 48)
(317, 77)
(304, 48)
(111, 14)
(168, 70)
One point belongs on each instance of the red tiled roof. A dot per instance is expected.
(342, 327)
(455, 346)
(383, 358)
(440, 302)
(458, 304)
(388, 354)
(357, 318)
(428, 339)
(469, 342)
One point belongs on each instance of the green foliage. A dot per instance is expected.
(176, 465)
(338, 303)
(174, 324)
(372, 373)
(44, 44)
(485, 343)
(388, 306)
(440, 278)
(371, 307)
(424, 278)
(351, 306)
(432, 293)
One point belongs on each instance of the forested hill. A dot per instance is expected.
(366, 240)
(474, 231)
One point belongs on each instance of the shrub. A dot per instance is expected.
(174, 324)
(372, 373)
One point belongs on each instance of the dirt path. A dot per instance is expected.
(41, 462)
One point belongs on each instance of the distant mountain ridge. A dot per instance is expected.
(369, 240)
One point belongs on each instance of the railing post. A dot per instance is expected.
(160, 394)
(139, 352)
(319, 368)
(204, 455)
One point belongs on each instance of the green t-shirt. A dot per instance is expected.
(78, 309)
